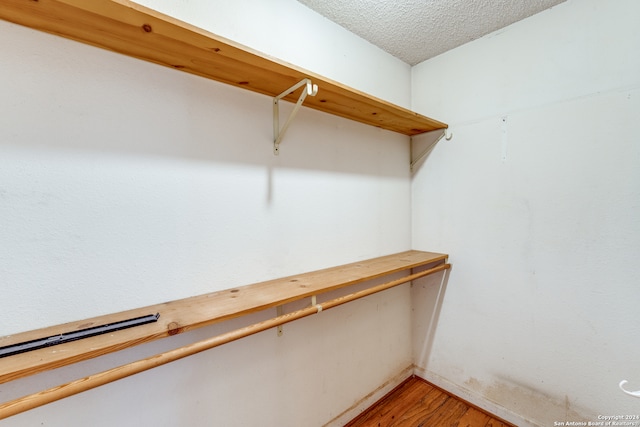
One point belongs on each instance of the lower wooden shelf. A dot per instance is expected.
(195, 312)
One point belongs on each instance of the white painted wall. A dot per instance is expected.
(123, 184)
(537, 198)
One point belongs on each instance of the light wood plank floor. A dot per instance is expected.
(416, 403)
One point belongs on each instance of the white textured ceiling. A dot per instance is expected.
(415, 30)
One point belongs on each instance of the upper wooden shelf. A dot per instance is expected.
(195, 312)
(131, 29)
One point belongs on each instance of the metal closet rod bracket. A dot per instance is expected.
(310, 89)
(280, 312)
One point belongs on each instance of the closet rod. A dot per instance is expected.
(41, 398)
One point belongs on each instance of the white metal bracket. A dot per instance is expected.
(630, 393)
(310, 89)
(446, 133)
(314, 303)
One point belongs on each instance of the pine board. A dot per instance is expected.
(190, 313)
(131, 29)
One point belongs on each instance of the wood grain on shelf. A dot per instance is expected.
(131, 29)
(190, 313)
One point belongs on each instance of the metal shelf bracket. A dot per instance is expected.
(310, 89)
(446, 134)
(630, 393)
